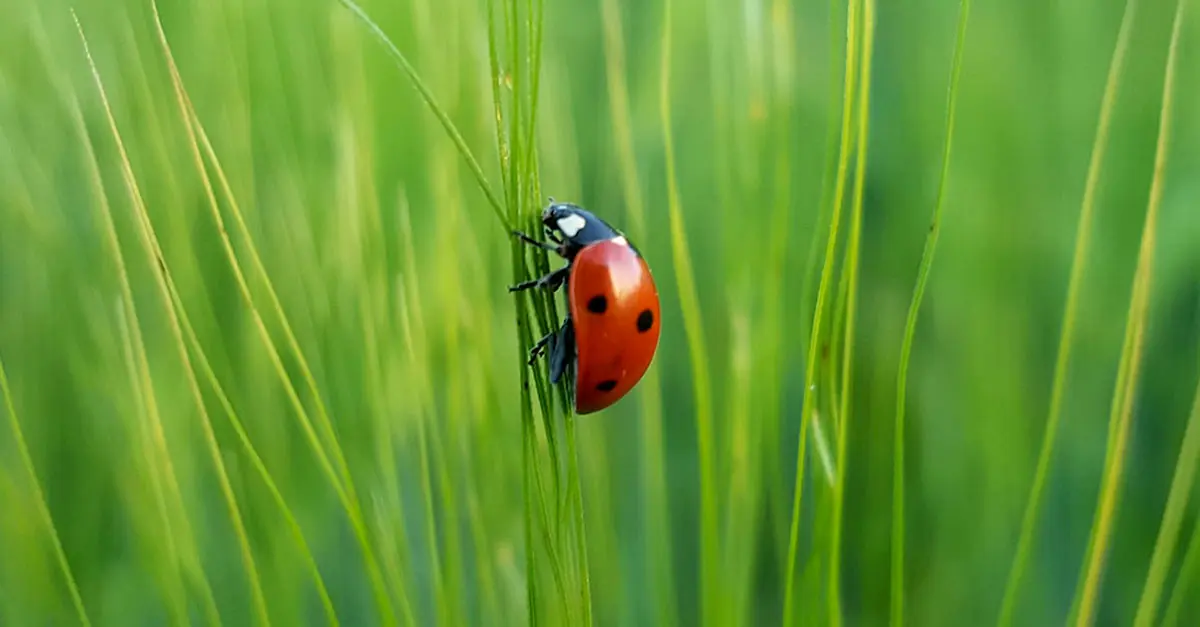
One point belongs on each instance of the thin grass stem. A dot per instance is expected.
(852, 263)
(910, 327)
(1172, 519)
(1070, 313)
(438, 111)
(157, 261)
(1122, 403)
(43, 510)
(815, 334)
(1189, 568)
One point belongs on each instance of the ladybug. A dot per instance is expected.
(612, 326)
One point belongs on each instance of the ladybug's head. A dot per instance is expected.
(579, 226)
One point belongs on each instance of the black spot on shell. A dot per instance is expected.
(645, 320)
(598, 304)
(607, 385)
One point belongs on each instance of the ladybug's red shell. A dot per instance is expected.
(615, 310)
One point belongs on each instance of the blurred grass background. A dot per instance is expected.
(391, 271)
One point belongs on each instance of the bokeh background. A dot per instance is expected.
(391, 269)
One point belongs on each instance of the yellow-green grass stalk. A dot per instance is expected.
(159, 467)
(518, 166)
(163, 476)
(39, 498)
(1189, 569)
(842, 422)
(808, 406)
(1129, 369)
(1070, 313)
(155, 258)
(1172, 518)
(910, 327)
(710, 587)
(340, 477)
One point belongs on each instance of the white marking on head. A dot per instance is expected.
(571, 224)
(620, 240)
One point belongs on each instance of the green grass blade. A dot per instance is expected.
(815, 334)
(852, 257)
(1070, 313)
(910, 328)
(438, 111)
(43, 510)
(1122, 403)
(1172, 519)
(157, 261)
(340, 477)
(1189, 569)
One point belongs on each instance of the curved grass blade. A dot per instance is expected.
(810, 372)
(1083, 238)
(1189, 568)
(159, 263)
(1078, 263)
(343, 483)
(438, 111)
(910, 328)
(1130, 364)
(60, 555)
(154, 445)
(1168, 531)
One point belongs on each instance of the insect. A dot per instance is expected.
(612, 326)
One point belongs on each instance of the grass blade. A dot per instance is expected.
(1189, 568)
(1122, 403)
(340, 477)
(158, 262)
(810, 372)
(852, 257)
(438, 111)
(1070, 312)
(43, 510)
(910, 329)
(1168, 531)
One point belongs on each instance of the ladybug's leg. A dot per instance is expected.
(563, 352)
(540, 346)
(529, 240)
(553, 280)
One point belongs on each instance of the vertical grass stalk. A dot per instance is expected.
(810, 371)
(910, 328)
(852, 259)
